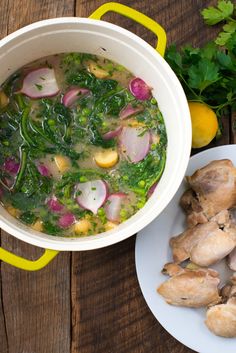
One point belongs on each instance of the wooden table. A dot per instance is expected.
(89, 302)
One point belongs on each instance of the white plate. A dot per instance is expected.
(152, 252)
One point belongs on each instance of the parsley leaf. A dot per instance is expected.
(223, 11)
(203, 74)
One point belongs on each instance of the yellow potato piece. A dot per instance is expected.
(133, 123)
(38, 225)
(4, 100)
(82, 226)
(107, 158)
(109, 226)
(63, 163)
(97, 71)
(13, 211)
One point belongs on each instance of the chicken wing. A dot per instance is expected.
(215, 186)
(190, 288)
(205, 244)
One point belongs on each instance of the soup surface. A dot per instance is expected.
(83, 144)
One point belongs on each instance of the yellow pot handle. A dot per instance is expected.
(25, 264)
(136, 16)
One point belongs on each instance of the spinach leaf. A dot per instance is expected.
(51, 228)
(28, 217)
(97, 86)
(148, 170)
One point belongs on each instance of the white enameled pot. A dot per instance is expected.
(113, 42)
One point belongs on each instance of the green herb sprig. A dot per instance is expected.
(208, 74)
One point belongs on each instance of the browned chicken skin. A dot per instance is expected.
(221, 319)
(191, 288)
(205, 244)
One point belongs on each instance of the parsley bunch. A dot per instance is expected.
(208, 74)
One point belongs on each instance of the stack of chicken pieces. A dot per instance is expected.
(210, 237)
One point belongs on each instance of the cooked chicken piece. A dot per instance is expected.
(191, 288)
(232, 260)
(204, 244)
(189, 202)
(222, 218)
(221, 319)
(215, 186)
(192, 207)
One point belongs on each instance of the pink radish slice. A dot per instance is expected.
(66, 220)
(93, 194)
(113, 206)
(54, 205)
(43, 170)
(128, 111)
(134, 143)
(112, 134)
(139, 89)
(40, 83)
(151, 190)
(11, 166)
(71, 96)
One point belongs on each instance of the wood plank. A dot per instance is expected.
(3, 332)
(233, 128)
(36, 305)
(109, 313)
(24, 12)
(180, 19)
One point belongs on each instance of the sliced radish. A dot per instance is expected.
(66, 220)
(128, 111)
(71, 96)
(11, 166)
(40, 83)
(134, 143)
(151, 190)
(113, 206)
(54, 205)
(93, 194)
(43, 170)
(139, 89)
(112, 134)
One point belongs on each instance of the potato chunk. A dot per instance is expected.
(82, 226)
(38, 225)
(63, 163)
(97, 71)
(107, 158)
(109, 226)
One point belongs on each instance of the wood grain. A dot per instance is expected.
(36, 306)
(91, 303)
(109, 312)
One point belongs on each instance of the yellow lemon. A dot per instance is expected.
(204, 124)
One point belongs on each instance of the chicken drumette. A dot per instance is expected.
(191, 288)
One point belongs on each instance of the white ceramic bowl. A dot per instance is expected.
(113, 42)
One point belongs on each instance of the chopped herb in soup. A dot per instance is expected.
(82, 144)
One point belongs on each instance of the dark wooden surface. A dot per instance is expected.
(89, 302)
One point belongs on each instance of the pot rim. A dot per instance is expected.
(127, 228)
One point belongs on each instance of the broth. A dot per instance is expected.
(83, 144)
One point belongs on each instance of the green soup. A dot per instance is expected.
(82, 144)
